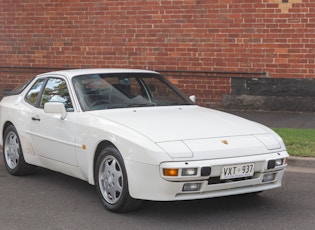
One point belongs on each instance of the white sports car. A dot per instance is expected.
(135, 137)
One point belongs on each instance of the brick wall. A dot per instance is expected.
(274, 36)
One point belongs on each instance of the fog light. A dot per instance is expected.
(170, 172)
(269, 177)
(191, 187)
(189, 172)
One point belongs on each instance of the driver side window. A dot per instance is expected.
(56, 90)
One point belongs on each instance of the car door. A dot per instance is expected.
(52, 137)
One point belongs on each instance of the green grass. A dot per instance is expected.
(299, 142)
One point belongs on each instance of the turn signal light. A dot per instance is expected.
(170, 172)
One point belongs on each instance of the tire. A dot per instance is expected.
(13, 154)
(112, 183)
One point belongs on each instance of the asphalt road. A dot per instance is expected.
(49, 200)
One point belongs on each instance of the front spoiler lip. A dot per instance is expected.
(234, 188)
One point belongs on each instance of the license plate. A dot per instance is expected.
(237, 171)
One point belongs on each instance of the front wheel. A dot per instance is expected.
(112, 183)
(13, 154)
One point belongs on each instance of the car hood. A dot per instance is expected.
(197, 132)
(174, 123)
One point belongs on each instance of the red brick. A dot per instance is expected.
(225, 35)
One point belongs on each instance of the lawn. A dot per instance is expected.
(299, 142)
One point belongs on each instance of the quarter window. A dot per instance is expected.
(32, 95)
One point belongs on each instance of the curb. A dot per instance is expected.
(302, 162)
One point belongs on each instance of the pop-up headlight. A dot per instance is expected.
(269, 141)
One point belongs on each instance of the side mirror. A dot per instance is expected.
(56, 107)
(193, 98)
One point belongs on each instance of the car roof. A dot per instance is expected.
(75, 72)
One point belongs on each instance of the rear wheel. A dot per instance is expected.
(112, 182)
(13, 154)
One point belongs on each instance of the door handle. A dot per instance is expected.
(36, 118)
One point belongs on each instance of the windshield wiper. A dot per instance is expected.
(177, 103)
(129, 105)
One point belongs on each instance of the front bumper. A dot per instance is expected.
(148, 183)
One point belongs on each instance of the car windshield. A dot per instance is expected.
(123, 90)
